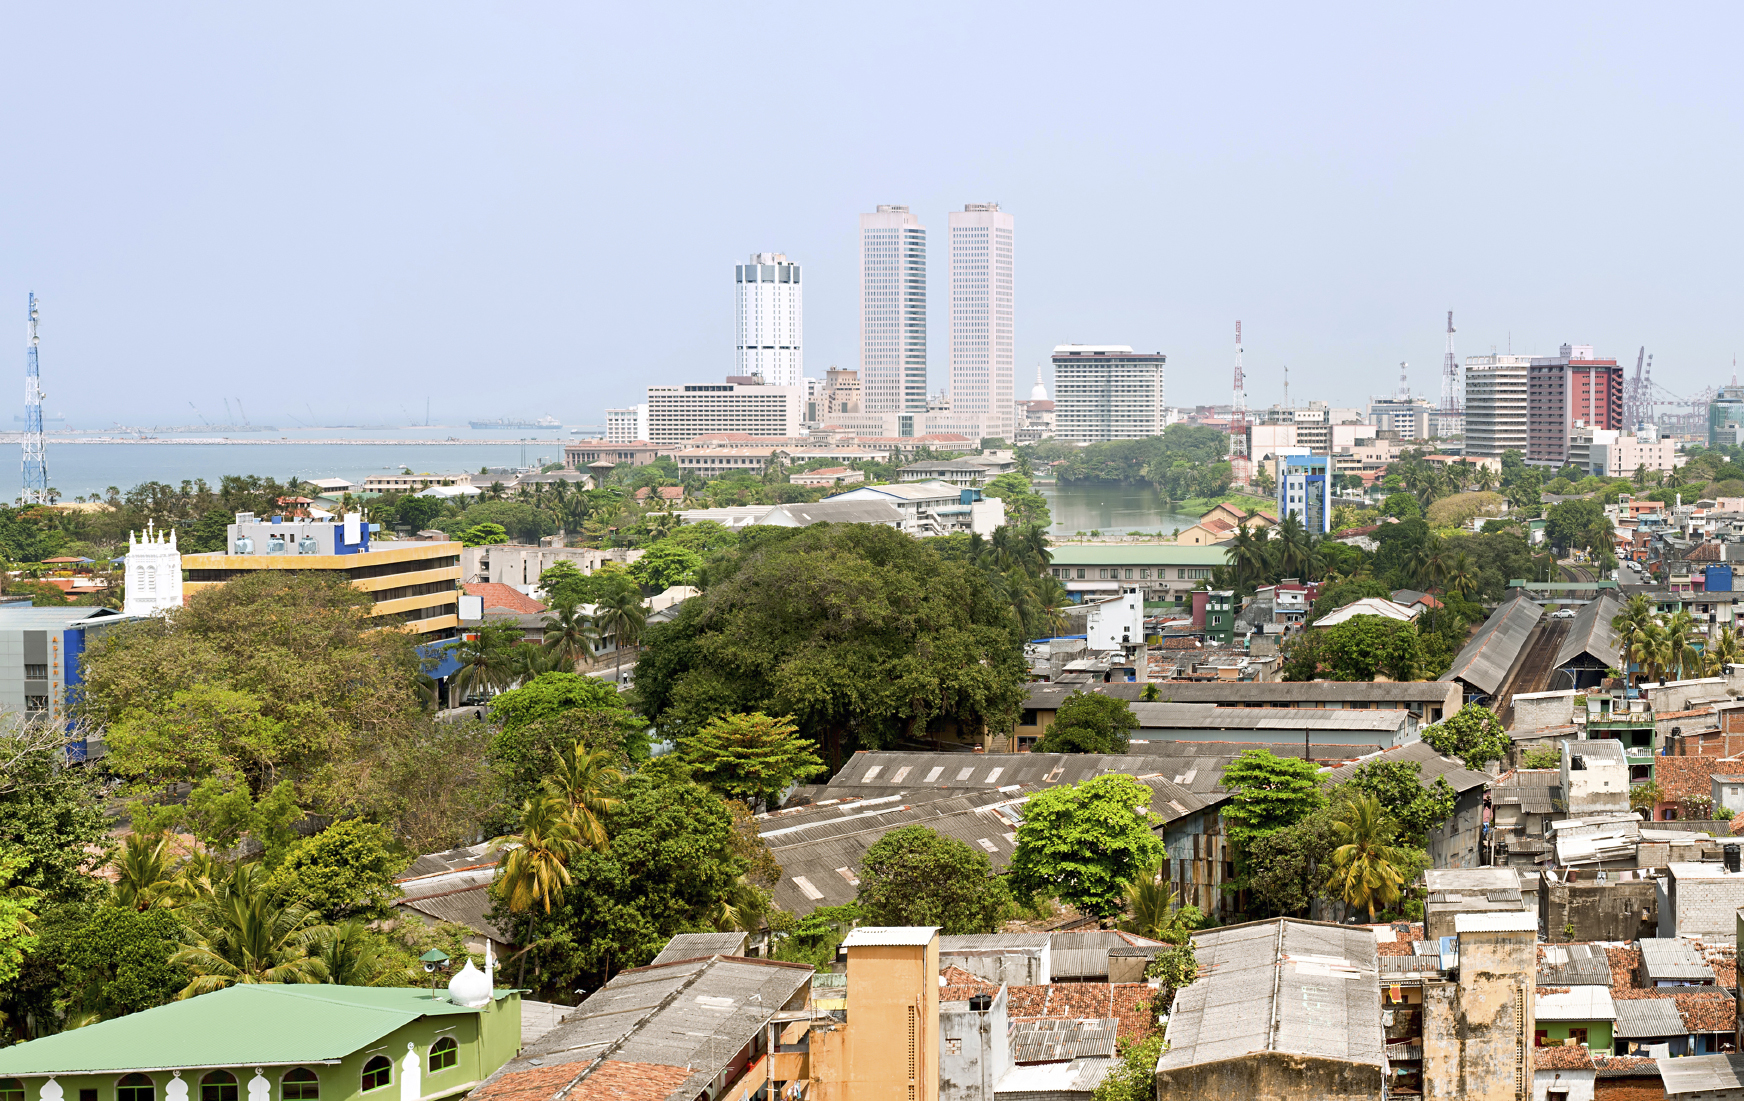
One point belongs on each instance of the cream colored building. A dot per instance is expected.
(1495, 404)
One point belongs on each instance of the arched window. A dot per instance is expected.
(11, 1089)
(300, 1085)
(444, 1053)
(220, 1085)
(135, 1087)
(378, 1073)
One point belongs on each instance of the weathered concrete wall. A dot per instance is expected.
(1705, 908)
(1538, 710)
(1477, 1032)
(1014, 967)
(1576, 1084)
(974, 1050)
(1272, 1076)
(1455, 843)
(1598, 911)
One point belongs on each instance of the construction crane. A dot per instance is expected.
(35, 469)
(1449, 373)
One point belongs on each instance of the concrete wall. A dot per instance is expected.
(1676, 695)
(1477, 1032)
(1577, 1084)
(1598, 911)
(1007, 966)
(974, 1049)
(892, 1042)
(1454, 844)
(1602, 785)
(1272, 1076)
(1539, 710)
(1701, 907)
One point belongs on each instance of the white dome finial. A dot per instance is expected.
(469, 987)
(1038, 392)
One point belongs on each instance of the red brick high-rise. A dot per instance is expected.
(1564, 389)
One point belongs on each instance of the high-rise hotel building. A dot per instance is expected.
(1108, 392)
(893, 344)
(982, 356)
(1496, 405)
(771, 319)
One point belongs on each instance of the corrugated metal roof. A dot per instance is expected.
(1531, 798)
(1591, 634)
(1645, 1018)
(1692, 1074)
(1573, 965)
(1581, 1003)
(1207, 716)
(1672, 958)
(1229, 693)
(245, 1025)
(981, 942)
(865, 935)
(1430, 765)
(1331, 1008)
(1054, 1081)
(1081, 955)
(1486, 659)
(464, 906)
(690, 946)
(1058, 1040)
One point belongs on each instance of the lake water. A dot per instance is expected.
(1111, 509)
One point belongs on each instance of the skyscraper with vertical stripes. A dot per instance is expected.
(982, 351)
(893, 337)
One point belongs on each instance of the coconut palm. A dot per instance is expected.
(1365, 866)
(350, 956)
(246, 933)
(1150, 902)
(1460, 575)
(742, 908)
(579, 782)
(1679, 654)
(146, 874)
(487, 658)
(1248, 557)
(570, 635)
(538, 864)
(1726, 648)
(1290, 547)
(622, 615)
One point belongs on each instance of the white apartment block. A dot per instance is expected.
(934, 508)
(1108, 392)
(771, 319)
(627, 425)
(982, 353)
(1614, 454)
(893, 346)
(1495, 405)
(680, 413)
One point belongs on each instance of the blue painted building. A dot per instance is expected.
(1305, 491)
(40, 653)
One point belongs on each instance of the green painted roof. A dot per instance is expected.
(1137, 554)
(250, 1025)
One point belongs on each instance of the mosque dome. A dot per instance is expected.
(470, 987)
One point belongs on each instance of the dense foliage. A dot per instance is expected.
(1089, 722)
(1081, 843)
(914, 876)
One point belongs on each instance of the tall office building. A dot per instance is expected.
(893, 347)
(1566, 388)
(771, 319)
(982, 356)
(1495, 405)
(1108, 392)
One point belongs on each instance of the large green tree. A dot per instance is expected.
(1090, 722)
(1473, 734)
(751, 757)
(1270, 793)
(1023, 505)
(53, 815)
(1081, 843)
(1358, 649)
(914, 876)
(1403, 796)
(858, 631)
(117, 962)
(346, 870)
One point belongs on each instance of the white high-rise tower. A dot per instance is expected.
(893, 347)
(982, 356)
(771, 319)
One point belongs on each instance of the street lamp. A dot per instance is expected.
(434, 960)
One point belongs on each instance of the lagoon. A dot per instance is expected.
(1111, 509)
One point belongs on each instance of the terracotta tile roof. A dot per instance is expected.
(502, 596)
(1180, 642)
(530, 1085)
(1560, 1057)
(1707, 552)
(1710, 1010)
(1681, 778)
(1709, 710)
(665, 493)
(1626, 973)
(1403, 935)
(1707, 1012)
(956, 976)
(1127, 1002)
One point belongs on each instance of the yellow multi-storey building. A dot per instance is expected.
(415, 585)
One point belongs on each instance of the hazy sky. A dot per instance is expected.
(516, 208)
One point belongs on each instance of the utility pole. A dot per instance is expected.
(35, 460)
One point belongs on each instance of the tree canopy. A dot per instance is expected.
(1270, 793)
(1081, 843)
(914, 876)
(1473, 734)
(1090, 722)
(752, 757)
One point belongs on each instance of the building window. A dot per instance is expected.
(378, 1073)
(444, 1053)
(1144, 575)
(1080, 575)
(1129, 575)
(220, 1085)
(135, 1087)
(300, 1085)
(36, 672)
(11, 1089)
(36, 703)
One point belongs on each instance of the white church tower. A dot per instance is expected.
(154, 572)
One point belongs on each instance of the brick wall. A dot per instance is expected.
(1708, 908)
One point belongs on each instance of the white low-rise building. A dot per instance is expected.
(934, 508)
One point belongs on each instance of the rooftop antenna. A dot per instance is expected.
(1449, 373)
(1404, 386)
(1286, 386)
(35, 461)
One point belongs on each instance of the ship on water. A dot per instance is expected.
(518, 422)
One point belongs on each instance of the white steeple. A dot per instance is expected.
(154, 572)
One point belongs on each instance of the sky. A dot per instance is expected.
(338, 213)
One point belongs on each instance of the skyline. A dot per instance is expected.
(355, 209)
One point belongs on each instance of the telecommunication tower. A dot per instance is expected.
(35, 464)
(1238, 407)
(1449, 373)
(1404, 383)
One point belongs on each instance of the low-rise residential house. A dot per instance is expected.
(293, 1041)
(518, 565)
(1576, 904)
(1455, 891)
(827, 476)
(1162, 572)
(1595, 776)
(1701, 901)
(454, 886)
(1583, 1014)
(957, 472)
(933, 507)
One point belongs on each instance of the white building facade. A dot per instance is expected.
(154, 572)
(1108, 392)
(771, 319)
(1495, 405)
(893, 347)
(627, 425)
(680, 413)
(983, 356)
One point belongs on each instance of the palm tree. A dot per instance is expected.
(1247, 554)
(570, 635)
(146, 874)
(245, 933)
(487, 659)
(579, 783)
(1150, 902)
(1460, 576)
(350, 956)
(1290, 547)
(1486, 478)
(1678, 644)
(741, 909)
(1726, 648)
(1365, 867)
(622, 615)
(538, 865)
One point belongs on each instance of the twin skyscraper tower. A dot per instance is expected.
(893, 322)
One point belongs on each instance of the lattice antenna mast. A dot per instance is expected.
(1238, 406)
(35, 464)
(1449, 373)
(1404, 384)
(1240, 383)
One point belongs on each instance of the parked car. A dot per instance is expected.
(1562, 613)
